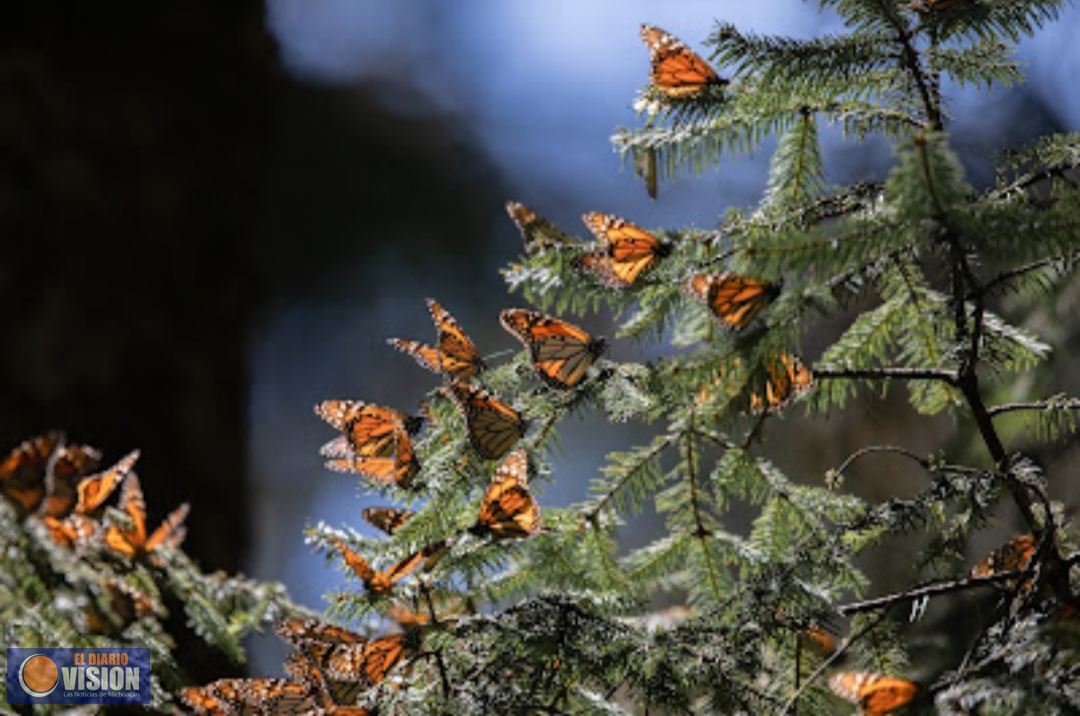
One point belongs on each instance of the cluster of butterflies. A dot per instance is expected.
(328, 670)
(54, 482)
(626, 251)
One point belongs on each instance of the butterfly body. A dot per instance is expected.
(493, 426)
(734, 301)
(626, 251)
(677, 72)
(508, 509)
(561, 352)
(875, 694)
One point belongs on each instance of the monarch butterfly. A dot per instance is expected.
(509, 510)
(343, 655)
(92, 491)
(376, 442)
(64, 467)
(369, 430)
(22, 471)
(71, 531)
(386, 519)
(819, 640)
(398, 469)
(537, 233)
(252, 696)
(375, 581)
(677, 71)
(875, 694)
(645, 167)
(453, 354)
(493, 426)
(561, 352)
(331, 693)
(1013, 556)
(133, 542)
(734, 300)
(626, 251)
(786, 377)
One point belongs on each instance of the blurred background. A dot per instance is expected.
(213, 214)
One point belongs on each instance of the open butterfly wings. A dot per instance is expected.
(677, 71)
(376, 441)
(134, 542)
(561, 352)
(537, 233)
(454, 353)
(493, 426)
(509, 509)
(875, 694)
(626, 251)
(735, 301)
(343, 655)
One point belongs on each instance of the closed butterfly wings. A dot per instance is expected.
(735, 301)
(454, 353)
(134, 542)
(785, 377)
(678, 72)
(493, 426)
(509, 509)
(374, 580)
(875, 694)
(537, 233)
(625, 250)
(561, 352)
(66, 465)
(22, 472)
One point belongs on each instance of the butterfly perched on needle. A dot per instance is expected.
(509, 509)
(493, 426)
(537, 233)
(134, 542)
(22, 472)
(375, 581)
(678, 72)
(389, 519)
(92, 491)
(1013, 556)
(875, 694)
(785, 377)
(344, 656)
(561, 352)
(735, 301)
(625, 251)
(453, 354)
(376, 441)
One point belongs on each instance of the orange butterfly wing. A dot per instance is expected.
(92, 491)
(677, 71)
(71, 531)
(627, 251)
(369, 429)
(386, 519)
(508, 509)
(129, 542)
(735, 301)
(66, 464)
(367, 663)
(493, 426)
(875, 694)
(786, 377)
(561, 352)
(22, 473)
(297, 630)
(454, 353)
(427, 357)
(537, 233)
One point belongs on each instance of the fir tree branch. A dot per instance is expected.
(1006, 276)
(1044, 405)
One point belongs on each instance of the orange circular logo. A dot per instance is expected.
(38, 675)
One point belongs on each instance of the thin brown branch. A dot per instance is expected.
(923, 462)
(928, 590)
(898, 373)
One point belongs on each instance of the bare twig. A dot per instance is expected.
(899, 373)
